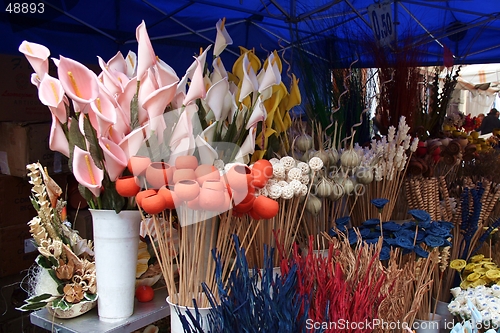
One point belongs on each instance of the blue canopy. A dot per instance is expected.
(82, 30)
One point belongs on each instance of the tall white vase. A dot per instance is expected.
(116, 242)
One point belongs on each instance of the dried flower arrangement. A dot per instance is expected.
(67, 271)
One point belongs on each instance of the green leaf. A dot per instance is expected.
(93, 144)
(60, 288)
(85, 193)
(75, 138)
(90, 297)
(61, 304)
(134, 110)
(32, 306)
(43, 262)
(38, 298)
(110, 199)
(53, 261)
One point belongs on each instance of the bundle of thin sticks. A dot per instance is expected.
(192, 259)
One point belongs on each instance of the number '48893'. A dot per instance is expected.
(25, 8)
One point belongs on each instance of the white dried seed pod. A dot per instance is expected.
(296, 185)
(323, 188)
(337, 191)
(305, 179)
(294, 174)
(364, 175)
(283, 183)
(348, 185)
(275, 191)
(333, 155)
(324, 156)
(304, 142)
(263, 191)
(274, 160)
(303, 190)
(304, 167)
(279, 171)
(315, 163)
(349, 159)
(288, 162)
(271, 182)
(313, 205)
(287, 192)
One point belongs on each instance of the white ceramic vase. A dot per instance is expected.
(428, 326)
(175, 321)
(116, 243)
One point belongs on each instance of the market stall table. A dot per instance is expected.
(144, 314)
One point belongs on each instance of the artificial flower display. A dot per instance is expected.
(479, 271)
(66, 274)
(138, 106)
(486, 301)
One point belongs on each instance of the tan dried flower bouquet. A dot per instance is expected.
(65, 273)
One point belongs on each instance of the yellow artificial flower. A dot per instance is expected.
(473, 277)
(465, 284)
(477, 258)
(478, 282)
(493, 274)
(458, 264)
(480, 270)
(470, 267)
(490, 265)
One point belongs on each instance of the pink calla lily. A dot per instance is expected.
(222, 38)
(133, 141)
(182, 140)
(35, 80)
(249, 83)
(131, 62)
(51, 94)
(158, 100)
(114, 158)
(146, 54)
(125, 98)
(219, 71)
(120, 128)
(57, 138)
(79, 82)
(86, 172)
(165, 75)
(215, 98)
(207, 153)
(148, 86)
(105, 113)
(248, 146)
(158, 125)
(259, 114)
(117, 63)
(109, 79)
(199, 60)
(197, 88)
(38, 57)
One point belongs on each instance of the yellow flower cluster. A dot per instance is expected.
(479, 271)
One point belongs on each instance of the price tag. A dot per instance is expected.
(382, 26)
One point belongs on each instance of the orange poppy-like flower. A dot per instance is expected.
(73, 293)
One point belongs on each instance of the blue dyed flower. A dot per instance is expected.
(364, 232)
(433, 241)
(424, 224)
(390, 241)
(409, 225)
(420, 215)
(438, 231)
(379, 203)
(332, 232)
(447, 242)
(405, 233)
(374, 234)
(404, 243)
(371, 222)
(391, 226)
(352, 237)
(445, 224)
(420, 252)
(342, 221)
(385, 253)
(371, 240)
